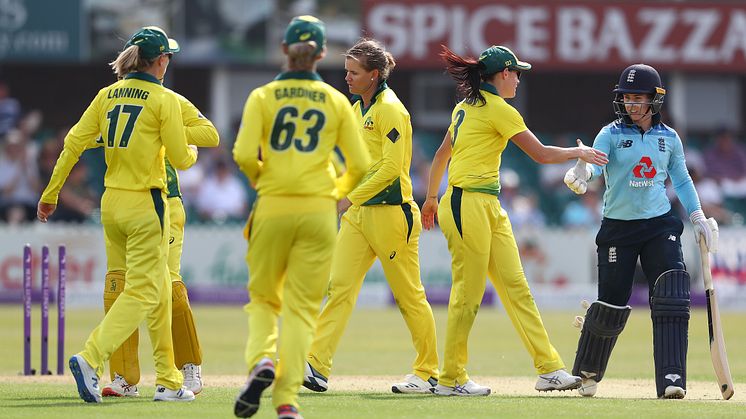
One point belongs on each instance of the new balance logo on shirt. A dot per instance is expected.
(624, 144)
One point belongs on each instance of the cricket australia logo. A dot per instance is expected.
(368, 124)
(643, 170)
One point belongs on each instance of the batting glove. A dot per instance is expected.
(706, 228)
(577, 178)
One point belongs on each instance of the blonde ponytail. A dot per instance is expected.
(129, 61)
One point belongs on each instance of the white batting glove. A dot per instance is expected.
(580, 320)
(706, 228)
(577, 178)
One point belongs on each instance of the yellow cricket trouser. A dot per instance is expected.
(390, 233)
(176, 237)
(134, 223)
(481, 242)
(291, 243)
(124, 361)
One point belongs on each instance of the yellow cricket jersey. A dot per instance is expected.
(387, 133)
(140, 123)
(199, 131)
(479, 134)
(294, 123)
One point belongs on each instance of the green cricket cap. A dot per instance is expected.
(153, 42)
(497, 58)
(306, 28)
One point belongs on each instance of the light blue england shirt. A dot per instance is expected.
(637, 170)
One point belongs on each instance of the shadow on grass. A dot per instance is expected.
(381, 396)
(368, 395)
(43, 402)
(70, 403)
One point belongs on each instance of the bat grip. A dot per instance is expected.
(705, 257)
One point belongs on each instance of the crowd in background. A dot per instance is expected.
(214, 191)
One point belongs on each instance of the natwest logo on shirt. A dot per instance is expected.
(644, 168)
(645, 171)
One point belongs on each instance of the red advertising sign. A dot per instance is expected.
(564, 36)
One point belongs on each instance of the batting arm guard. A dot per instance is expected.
(669, 310)
(603, 324)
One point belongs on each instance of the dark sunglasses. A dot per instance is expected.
(517, 73)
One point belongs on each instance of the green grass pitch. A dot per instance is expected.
(375, 350)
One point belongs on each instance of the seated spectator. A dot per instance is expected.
(222, 197)
(521, 206)
(19, 179)
(583, 212)
(48, 153)
(10, 110)
(710, 196)
(77, 201)
(725, 161)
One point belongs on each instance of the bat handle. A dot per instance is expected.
(705, 256)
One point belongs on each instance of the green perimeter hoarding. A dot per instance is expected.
(41, 30)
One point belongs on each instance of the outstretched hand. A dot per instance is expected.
(591, 155)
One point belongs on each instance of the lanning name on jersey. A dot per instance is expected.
(641, 183)
(130, 92)
(299, 92)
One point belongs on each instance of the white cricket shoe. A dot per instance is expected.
(192, 377)
(557, 380)
(470, 388)
(163, 394)
(120, 388)
(313, 380)
(674, 392)
(588, 387)
(86, 379)
(414, 384)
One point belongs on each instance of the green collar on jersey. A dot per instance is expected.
(303, 75)
(142, 76)
(489, 88)
(381, 87)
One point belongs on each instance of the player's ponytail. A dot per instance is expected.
(302, 56)
(372, 55)
(465, 71)
(129, 61)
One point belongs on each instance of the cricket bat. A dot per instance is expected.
(714, 326)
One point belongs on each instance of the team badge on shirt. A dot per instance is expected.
(368, 124)
(661, 144)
